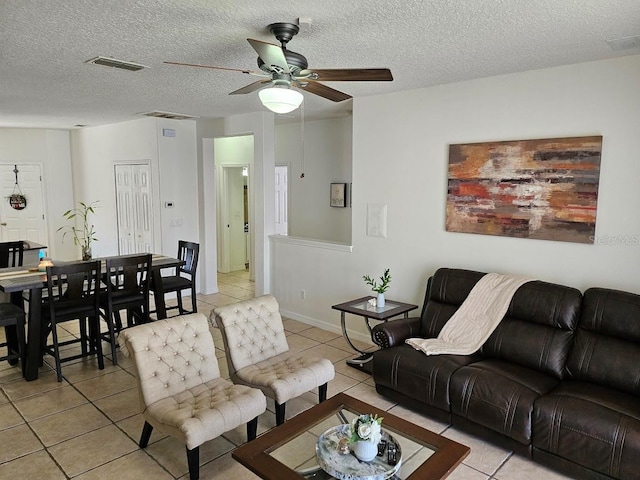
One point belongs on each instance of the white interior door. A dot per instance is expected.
(27, 224)
(236, 218)
(133, 200)
(282, 200)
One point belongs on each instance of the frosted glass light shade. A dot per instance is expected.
(280, 100)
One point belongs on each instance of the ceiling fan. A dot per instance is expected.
(283, 72)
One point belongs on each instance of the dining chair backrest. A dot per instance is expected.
(128, 274)
(188, 252)
(73, 288)
(11, 254)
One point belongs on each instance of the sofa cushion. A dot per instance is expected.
(590, 425)
(499, 395)
(412, 373)
(449, 287)
(537, 330)
(607, 344)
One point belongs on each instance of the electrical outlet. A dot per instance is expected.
(303, 294)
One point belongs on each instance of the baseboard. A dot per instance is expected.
(331, 327)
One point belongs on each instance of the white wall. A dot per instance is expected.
(49, 148)
(261, 190)
(400, 145)
(173, 163)
(327, 159)
(206, 131)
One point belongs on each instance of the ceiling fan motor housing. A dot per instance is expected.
(283, 33)
(296, 62)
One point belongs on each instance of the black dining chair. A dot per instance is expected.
(11, 254)
(73, 294)
(185, 276)
(12, 317)
(128, 280)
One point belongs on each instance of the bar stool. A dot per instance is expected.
(74, 294)
(185, 276)
(12, 315)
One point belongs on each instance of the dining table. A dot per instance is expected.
(17, 280)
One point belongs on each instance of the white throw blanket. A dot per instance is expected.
(476, 319)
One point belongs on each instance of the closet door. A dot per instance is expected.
(133, 199)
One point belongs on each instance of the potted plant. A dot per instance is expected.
(380, 288)
(85, 235)
(366, 433)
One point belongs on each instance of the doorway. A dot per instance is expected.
(234, 208)
(19, 223)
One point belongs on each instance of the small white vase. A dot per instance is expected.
(364, 450)
(380, 300)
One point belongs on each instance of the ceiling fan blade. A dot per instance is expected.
(318, 88)
(252, 87)
(215, 68)
(349, 74)
(271, 55)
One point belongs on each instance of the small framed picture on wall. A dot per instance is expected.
(338, 197)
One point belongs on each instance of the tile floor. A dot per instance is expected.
(87, 426)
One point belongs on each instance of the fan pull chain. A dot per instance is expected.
(302, 139)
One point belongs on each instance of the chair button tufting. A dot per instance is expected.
(166, 385)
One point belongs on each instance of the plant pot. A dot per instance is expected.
(380, 300)
(364, 450)
(86, 253)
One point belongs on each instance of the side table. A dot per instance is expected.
(362, 308)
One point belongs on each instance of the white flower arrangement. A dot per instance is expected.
(366, 427)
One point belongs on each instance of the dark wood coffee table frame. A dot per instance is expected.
(255, 454)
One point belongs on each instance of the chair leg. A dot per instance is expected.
(95, 343)
(322, 392)
(112, 333)
(56, 349)
(146, 434)
(280, 413)
(193, 459)
(179, 298)
(194, 304)
(252, 429)
(84, 340)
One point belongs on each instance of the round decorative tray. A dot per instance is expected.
(347, 466)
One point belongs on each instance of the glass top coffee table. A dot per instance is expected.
(289, 450)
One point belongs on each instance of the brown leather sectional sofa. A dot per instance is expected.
(558, 380)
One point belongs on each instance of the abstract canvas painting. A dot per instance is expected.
(544, 189)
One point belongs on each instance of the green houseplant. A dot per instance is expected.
(379, 288)
(85, 235)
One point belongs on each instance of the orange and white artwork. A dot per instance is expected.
(544, 189)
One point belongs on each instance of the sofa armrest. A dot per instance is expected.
(395, 332)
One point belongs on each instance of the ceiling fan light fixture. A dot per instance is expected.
(280, 100)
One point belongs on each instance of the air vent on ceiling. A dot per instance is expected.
(121, 64)
(173, 116)
(624, 43)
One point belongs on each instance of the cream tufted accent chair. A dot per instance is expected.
(181, 392)
(258, 353)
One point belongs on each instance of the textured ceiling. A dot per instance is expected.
(45, 82)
